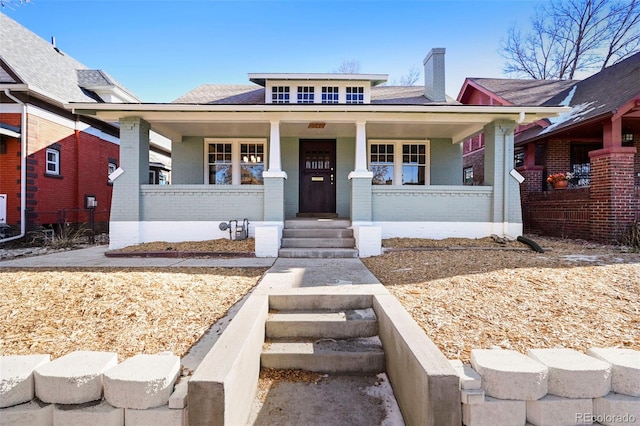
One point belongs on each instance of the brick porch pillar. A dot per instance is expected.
(613, 202)
(531, 185)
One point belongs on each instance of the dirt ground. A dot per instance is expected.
(464, 293)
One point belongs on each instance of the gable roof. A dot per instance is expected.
(519, 92)
(596, 97)
(251, 94)
(45, 69)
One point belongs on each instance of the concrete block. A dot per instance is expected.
(90, 413)
(507, 374)
(625, 368)
(156, 416)
(34, 413)
(469, 378)
(616, 409)
(472, 396)
(142, 381)
(556, 411)
(16, 378)
(178, 398)
(74, 378)
(495, 412)
(573, 374)
(267, 241)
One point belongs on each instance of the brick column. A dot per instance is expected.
(531, 185)
(613, 202)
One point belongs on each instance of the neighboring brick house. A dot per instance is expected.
(68, 157)
(290, 147)
(598, 141)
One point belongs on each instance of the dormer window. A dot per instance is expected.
(280, 95)
(355, 95)
(305, 94)
(330, 95)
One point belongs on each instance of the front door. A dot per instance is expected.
(317, 176)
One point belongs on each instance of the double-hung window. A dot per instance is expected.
(280, 95)
(234, 161)
(53, 161)
(399, 162)
(305, 94)
(330, 95)
(355, 95)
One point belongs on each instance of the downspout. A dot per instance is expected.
(505, 186)
(23, 168)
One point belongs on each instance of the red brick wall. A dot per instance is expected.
(475, 159)
(83, 170)
(564, 213)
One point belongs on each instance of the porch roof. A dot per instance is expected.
(457, 122)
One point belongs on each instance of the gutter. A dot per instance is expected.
(23, 169)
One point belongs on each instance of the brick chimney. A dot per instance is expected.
(434, 75)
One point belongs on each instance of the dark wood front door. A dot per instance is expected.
(317, 176)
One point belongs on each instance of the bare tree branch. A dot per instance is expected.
(349, 67)
(411, 77)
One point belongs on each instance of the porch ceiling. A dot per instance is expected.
(455, 122)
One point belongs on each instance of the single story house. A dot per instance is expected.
(598, 142)
(388, 159)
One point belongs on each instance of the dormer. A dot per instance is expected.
(318, 88)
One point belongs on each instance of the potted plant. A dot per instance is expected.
(560, 180)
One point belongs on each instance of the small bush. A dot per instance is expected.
(632, 237)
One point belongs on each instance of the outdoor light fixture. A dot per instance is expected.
(627, 135)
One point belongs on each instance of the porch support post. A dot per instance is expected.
(269, 235)
(506, 208)
(126, 215)
(368, 237)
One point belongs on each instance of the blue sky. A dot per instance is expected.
(161, 49)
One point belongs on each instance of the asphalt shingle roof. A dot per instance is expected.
(44, 68)
(522, 92)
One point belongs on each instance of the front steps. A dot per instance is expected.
(318, 238)
(342, 340)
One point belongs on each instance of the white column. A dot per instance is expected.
(274, 148)
(361, 147)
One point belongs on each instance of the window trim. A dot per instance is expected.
(236, 163)
(56, 162)
(397, 158)
(358, 93)
(278, 91)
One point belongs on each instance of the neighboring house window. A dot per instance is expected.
(518, 158)
(355, 95)
(581, 164)
(280, 94)
(163, 178)
(219, 164)
(381, 163)
(305, 95)
(252, 163)
(152, 177)
(111, 168)
(330, 95)
(235, 161)
(399, 162)
(467, 174)
(53, 161)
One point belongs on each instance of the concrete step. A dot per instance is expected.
(356, 356)
(318, 243)
(321, 301)
(317, 233)
(318, 253)
(316, 223)
(322, 324)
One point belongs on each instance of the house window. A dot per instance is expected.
(235, 161)
(518, 158)
(467, 175)
(581, 164)
(330, 95)
(219, 164)
(110, 169)
(399, 162)
(53, 161)
(355, 95)
(252, 163)
(280, 95)
(305, 95)
(414, 157)
(381, 163)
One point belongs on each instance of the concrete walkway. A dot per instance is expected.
(95, 257)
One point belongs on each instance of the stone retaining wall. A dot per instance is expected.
(550, 387)
(85, 388)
